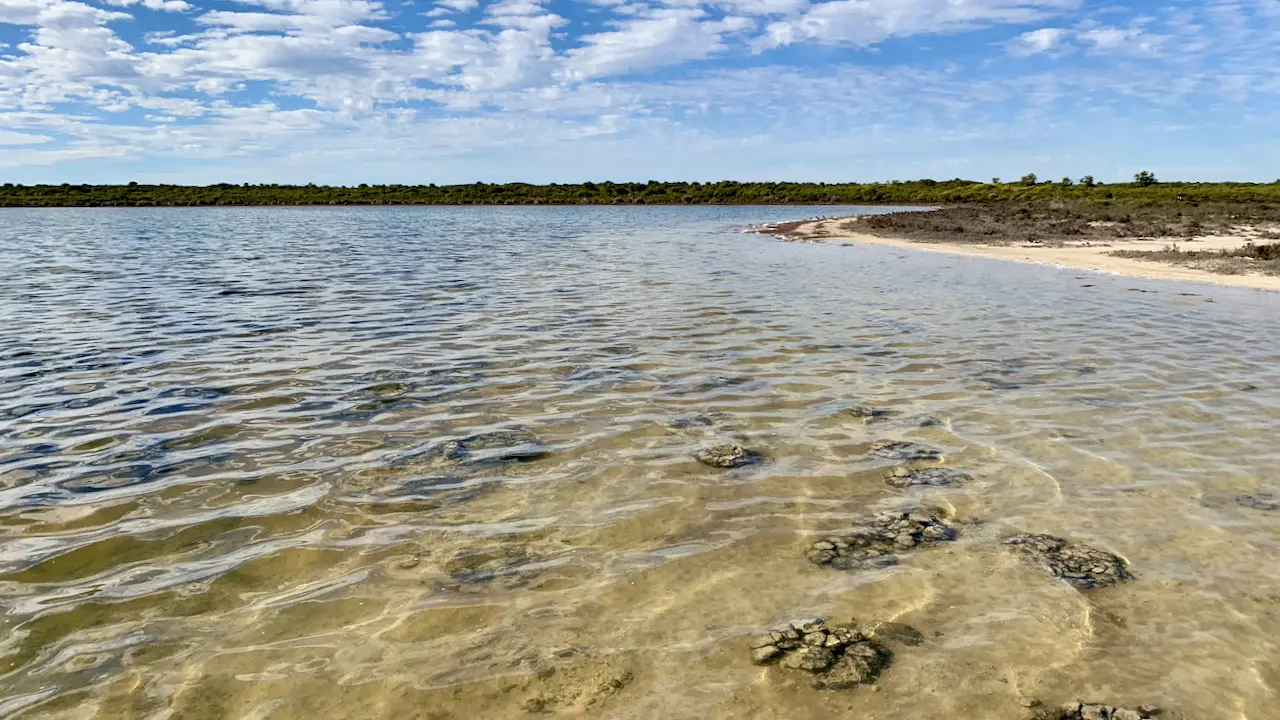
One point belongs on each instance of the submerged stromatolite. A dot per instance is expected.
(906, 476)
(727, 456)
(866, 413)
(837, 656)
(494, 448)
(507, 566)
(875, 543)
(1260, 501)
(1082, 566)
(697, 420)
(1096, 711)
(450, 471)
(905, 451)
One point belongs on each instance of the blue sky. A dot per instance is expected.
(444, 91)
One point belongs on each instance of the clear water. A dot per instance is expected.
(223, 494)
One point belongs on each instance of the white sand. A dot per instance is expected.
(1084, 256)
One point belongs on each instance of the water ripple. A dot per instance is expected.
(359, 462)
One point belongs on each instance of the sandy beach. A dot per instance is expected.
(1084, 256)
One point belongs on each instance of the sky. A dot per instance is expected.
(457, 91)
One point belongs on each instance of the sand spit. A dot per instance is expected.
(1083, 256)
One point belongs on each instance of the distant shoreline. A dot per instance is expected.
(1085, 256)
(727, 193)
(460, 205)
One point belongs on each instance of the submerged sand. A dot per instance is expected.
(1083, 256)
(405, 473)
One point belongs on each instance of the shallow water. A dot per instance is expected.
(227, 487)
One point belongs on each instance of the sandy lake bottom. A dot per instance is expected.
(445, 463)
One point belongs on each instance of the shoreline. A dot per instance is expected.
(464, 205)
(1093, 257)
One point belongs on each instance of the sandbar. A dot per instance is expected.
(1093, 256)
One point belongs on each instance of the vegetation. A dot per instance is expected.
(1145, 179)
(1076, 211)
(1252, 258)
(1145, 190)
(1061, 221)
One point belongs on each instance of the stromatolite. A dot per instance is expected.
(875, 543)
(1083, 566)
(1260, 501)
(906, 476)
(1096, 711)
(905, 451)
(449, 471)
(836, 656)
(867, 413)
(494, 448)
(727, 455)
(697, 420)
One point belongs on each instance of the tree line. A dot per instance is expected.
(1145, 189)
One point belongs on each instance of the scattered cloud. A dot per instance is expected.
(458, 5)
(1132, 41)
(318, 86)
(12, 138)
(1121, 41)
(1039, 41)
(160, 5)
(670, 37)
(867, 22)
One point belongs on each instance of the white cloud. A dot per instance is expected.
(519, 55)
(378, 88)
(183, 107)
(1038, 41)
(71, 52)
(8, 138)
(21, 12)
(665, 38)
(1133, 41)
(866, 22)
(523, 15)
(257, 21)
(1109, 38)
(458, 5)
(1124, 41)
(514, 7)
(57, 14)
(160, 5)
(761, 7)
(331, 12)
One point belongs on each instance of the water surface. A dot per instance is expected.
(228, 487)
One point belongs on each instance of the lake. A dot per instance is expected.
(444, 463)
